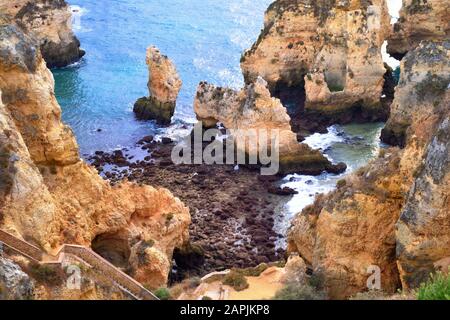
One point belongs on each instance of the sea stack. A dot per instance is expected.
(164, 84)
(49, 22)
(253, 108)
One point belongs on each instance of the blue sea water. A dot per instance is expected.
(204, 38)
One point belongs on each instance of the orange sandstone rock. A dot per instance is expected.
(50, 197)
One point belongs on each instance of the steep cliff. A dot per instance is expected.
(49, 22)
(326, 52)
(425, 77)
(253, 108)
(394, 212)
(419, 20)
(164, 84)
(423, 231)
(50, 197)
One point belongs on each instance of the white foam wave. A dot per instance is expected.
(391, 61)
(394, 7)
(324, 141)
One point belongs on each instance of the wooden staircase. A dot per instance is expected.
(86, 256)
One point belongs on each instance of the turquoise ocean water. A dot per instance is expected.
(205, 39)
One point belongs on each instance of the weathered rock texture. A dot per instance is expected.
(14, 283)
(50, 23)
(393, 213)
(425, 76)
(331, 49)
(21, 279)
(164, 84)
(423, 236)
(253, 108)
(423, 231)
(419, 20)
(50, 197)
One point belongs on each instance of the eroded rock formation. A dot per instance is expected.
(164, 84)
(425, 77)
(50, 197)
(49, 22)
(14, 283)
(253, 108)
(419, 20)
(326, 52)
(393, 213)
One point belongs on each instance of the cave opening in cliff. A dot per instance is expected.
(336, 79)
(114, 247)
(293, 98)
(188, 262)
(334, 63)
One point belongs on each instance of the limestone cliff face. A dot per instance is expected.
(425, 76)
(423, 231)
(374, 217)
(253, 108)
(49, 22)
(164, 84)
(49, 196)
(419, 20)
(331, 48)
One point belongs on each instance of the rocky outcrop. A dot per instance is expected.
(51, 197)
(421, 109)
(164, 84)
(49, 22)
(253, 108)
(425, 77)
(393, 213)
(14, 283)
(346, 232)
(329, 50)
(423, 231)
(419, 20)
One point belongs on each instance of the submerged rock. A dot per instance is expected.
(49, 22)
(419, 20)
(164, 84)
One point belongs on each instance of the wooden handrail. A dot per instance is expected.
(124, 281)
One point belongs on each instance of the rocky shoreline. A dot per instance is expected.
(232, 210)
(391, 215)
